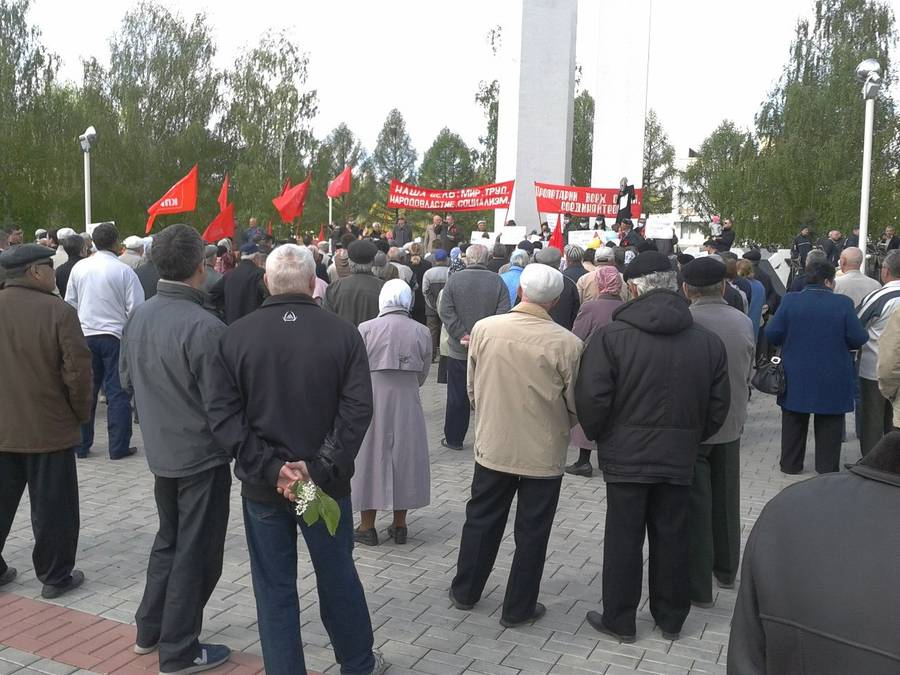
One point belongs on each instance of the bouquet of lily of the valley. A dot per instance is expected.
(313, 504)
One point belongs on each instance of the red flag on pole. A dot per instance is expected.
(556, 239)
(285, 187)
(290, 204)
(322, 232)
(222, 227)
(223, 194)
(181, 197)
(269, 227)
(340, 184)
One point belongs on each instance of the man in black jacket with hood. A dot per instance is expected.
(308, 397)
(818, 594)
(652, 386)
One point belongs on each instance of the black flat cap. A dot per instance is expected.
(362, 251)
(526, 246)
(703, 272)
(709, 243)
(684, 258)
(753, 255)
(24, 255)
(645, 263)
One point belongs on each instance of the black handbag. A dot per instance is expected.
(769, 376)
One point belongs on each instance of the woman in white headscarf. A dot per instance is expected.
(392, 468)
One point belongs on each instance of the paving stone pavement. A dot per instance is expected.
(406, 586)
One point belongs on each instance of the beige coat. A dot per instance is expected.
(889, 364)
(521, 382)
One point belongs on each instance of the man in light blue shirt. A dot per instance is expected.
(517, 262)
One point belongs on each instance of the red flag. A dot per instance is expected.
(223, 195)
(269, 227)
(181, 197)
(222, 227)
(556, 239)
(340, 184)
(285, 187)
(290, 204)
(322, 232)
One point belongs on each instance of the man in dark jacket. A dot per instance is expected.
(170, 359)
(569, 302)
(470, 295)
(355, 298)
(242, 290)
(73, 246)
(802, 245)
(817, 594)
(652, 386)
(46, 396)
(273, 389)
(725, 241)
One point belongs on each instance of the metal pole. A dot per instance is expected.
(330, 221)
(87, 190)
(281, 164)
(866, 178)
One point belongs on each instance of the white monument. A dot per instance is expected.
(534, 130)
(620, 94)
(534, 135)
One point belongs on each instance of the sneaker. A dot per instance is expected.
(456, 603)
(703, 605)
(539, 611)
(381, 665)
(211, 656)
(596, 621)
(671, 636)
(75, 580)
(8, 575)
(577, 469)
(138, 649)
(449, 445)
(728, 585)
(366, 537)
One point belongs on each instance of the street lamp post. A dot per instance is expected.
(87, 139)
(869, 74)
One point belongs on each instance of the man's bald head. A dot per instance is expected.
(851, 259)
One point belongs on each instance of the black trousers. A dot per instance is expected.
(434, 327)
(456, 418)
(486, 516)
(828, 432)
(52, 481)
(877, 415)
(715, 518)
(185, 563)
(661, 510)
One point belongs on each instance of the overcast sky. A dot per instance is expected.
(710, 60)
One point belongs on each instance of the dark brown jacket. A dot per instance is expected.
(45, 365)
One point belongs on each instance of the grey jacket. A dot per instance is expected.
(169, 356)
(736, 331)
(818, 594)
(469, 296)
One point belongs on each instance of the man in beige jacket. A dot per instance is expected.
(889, 365)
(521, 376)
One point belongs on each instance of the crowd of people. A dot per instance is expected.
(625, 349)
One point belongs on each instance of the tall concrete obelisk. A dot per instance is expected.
(534, 131)
(621, 93)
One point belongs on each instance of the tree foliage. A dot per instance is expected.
(659, 167)
(582, 139)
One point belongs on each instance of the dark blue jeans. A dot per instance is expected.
(105, 364)
(272, 540)
(456, 418)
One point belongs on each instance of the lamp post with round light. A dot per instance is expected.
(87, 139)
(869, 74)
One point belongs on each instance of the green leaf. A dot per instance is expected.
(311, 515)
(331, 512)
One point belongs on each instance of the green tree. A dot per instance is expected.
(266, 125)
(394, 155)
(659, 167)
(582, 138)
(487, 98)
(447, 163)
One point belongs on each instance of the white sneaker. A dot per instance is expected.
(381, 665)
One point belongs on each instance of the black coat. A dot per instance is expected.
(566, 308)
(148, 275)
(818, 591)
(651, 387)
(354, 298)
(725, 241)
(240, 291)
(832, 249)
(301, 376)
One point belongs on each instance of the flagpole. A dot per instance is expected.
(330, 221)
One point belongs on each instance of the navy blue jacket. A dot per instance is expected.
(817, 330)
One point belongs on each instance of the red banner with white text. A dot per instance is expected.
(493, 196)
(583, 201)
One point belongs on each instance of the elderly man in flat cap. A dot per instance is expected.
(355, 298)
(133, 255)
(517, 452)
(715, 522)
(652, 386)
(46, 396)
